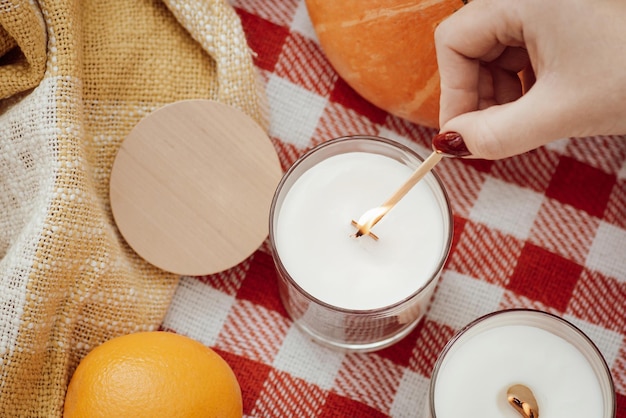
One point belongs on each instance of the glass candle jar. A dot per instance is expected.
(560, 365)
(358, 293)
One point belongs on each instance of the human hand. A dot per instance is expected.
(573, 53)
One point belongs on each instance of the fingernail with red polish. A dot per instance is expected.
(450, 144)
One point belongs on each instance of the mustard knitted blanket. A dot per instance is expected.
(75, 77)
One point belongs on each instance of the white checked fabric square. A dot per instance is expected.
(295, 111)
(507, 208)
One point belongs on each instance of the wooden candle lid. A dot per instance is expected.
(191, 187)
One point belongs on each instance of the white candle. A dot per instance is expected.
(357, 294)
(315, 242)
(473, 378)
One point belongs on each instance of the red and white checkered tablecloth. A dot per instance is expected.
(545, 230)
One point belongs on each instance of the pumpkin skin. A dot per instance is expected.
(384, 49)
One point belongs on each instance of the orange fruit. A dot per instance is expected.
(153, 374)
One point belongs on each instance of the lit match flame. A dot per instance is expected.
(370, 218)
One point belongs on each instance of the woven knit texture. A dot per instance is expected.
(75, 77)
(545, 230)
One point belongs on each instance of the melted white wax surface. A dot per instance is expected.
(315, 242)
(473, 379)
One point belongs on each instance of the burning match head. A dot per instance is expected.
(359, 234)
(370, 218)
(362, 230)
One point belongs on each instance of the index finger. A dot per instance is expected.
(479, 31)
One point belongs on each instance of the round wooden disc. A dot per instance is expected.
(191, 187)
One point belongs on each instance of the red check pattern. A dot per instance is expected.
(544, 230)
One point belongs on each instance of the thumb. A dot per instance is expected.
(513, 128)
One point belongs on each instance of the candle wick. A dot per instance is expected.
(521, 398)
(359, 232)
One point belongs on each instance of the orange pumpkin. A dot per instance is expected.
(384, 49)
